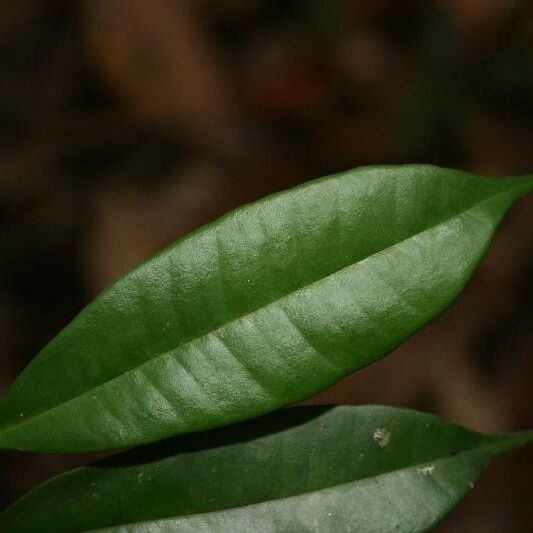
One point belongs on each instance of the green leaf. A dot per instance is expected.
(262, 308)
(362, 468)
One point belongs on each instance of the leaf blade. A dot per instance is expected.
(178, 346)
(298, 469)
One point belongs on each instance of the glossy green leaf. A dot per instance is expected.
(321, 469)
(264, 307)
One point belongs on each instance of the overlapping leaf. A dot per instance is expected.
(262, 308)
(362, 468)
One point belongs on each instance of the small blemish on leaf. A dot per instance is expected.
(426, 470)
(382, 437)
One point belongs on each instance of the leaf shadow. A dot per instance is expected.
(240, 432)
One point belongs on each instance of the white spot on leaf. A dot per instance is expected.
(382, 437)
(426, 470)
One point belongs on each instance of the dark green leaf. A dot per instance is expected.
(365, 469)
(264, 307)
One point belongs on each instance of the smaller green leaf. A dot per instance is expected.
(365, 468)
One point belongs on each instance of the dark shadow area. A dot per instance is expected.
(241, 432)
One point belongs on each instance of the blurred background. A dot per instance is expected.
(127, 123)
